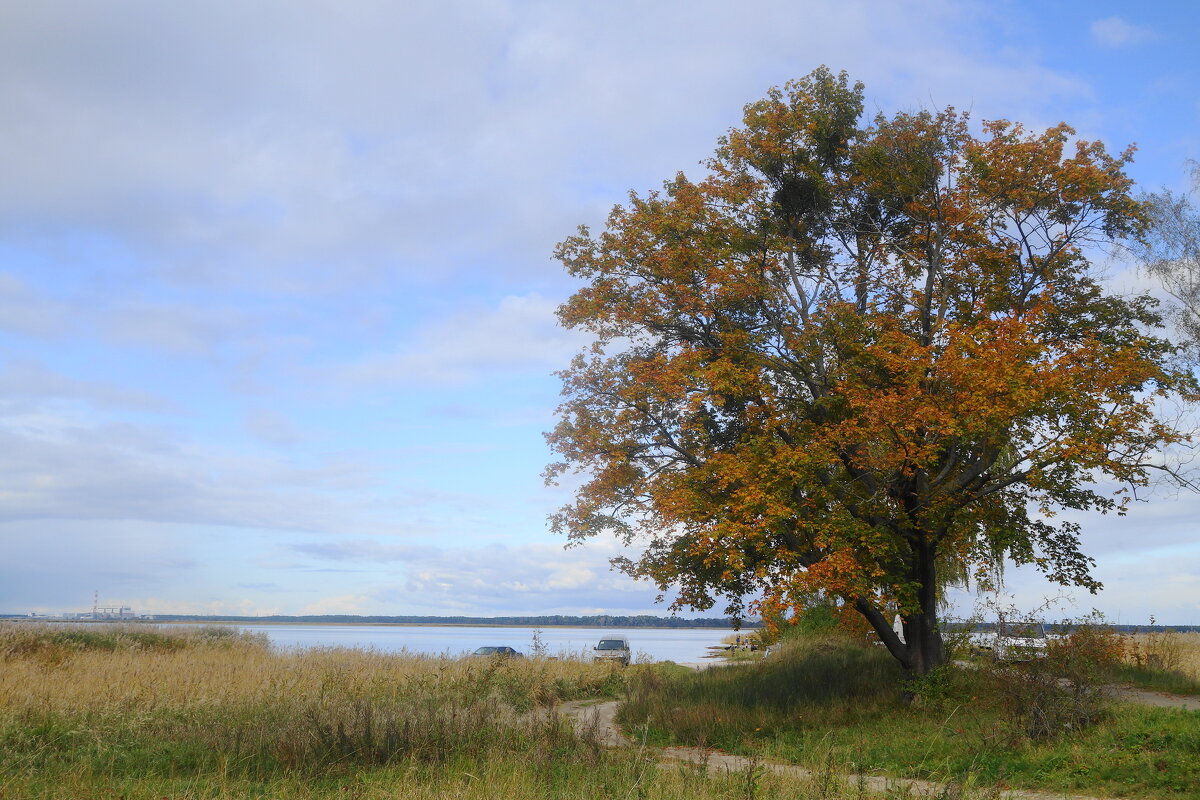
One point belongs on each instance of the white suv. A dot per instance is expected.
(612, 648)
(1020, 641)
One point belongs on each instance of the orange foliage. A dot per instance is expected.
(853, 360)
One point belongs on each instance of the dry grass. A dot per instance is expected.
(1170, 650)
(127, 700)
(97, 711)
(189, 670)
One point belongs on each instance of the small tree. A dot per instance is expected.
(1171, 254)
(856, 359)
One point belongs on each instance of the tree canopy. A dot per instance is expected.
(855, 356)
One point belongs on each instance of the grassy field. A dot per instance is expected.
(96, 711)
(194, 711)
(825, 700)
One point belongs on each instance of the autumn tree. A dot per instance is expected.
(855, 356)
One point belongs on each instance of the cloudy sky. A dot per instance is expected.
(276, 294)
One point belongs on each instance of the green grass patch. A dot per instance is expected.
(107, 712)
(537, 775)
(826, 700)
(1141, 752)
(820, 680)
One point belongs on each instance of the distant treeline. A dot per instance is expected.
(595, 621)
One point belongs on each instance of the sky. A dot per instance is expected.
(277, 298)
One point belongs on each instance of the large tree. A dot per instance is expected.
(854, 356)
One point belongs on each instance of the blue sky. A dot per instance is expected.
(276, 294)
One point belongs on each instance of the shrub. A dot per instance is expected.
(1061, 692)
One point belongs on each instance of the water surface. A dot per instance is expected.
(682, 645)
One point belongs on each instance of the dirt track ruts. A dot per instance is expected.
(599, 720)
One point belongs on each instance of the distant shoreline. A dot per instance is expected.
(557, 621)
(648, 623)
(435, 624)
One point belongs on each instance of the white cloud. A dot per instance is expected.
(1161, 582)
(415, 138)
(26, 384)
(56, 467)
(27, 311)
(178, 329)
(272, 427)
(492, 580)
(520, 335)
(159, 604)
(1116, 32)
(343, 604)
(56, 565)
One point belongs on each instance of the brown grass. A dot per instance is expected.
(131, 700)
(139, 713)
(1169, 650)
(210, 673)
(98, 711)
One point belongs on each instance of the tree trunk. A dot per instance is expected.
(921, 648)
(921, 632)
(923, 640)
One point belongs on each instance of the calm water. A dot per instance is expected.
(653, 644)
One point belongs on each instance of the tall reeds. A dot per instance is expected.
(1164, 660)
(121, 700)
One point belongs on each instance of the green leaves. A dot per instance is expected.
(851, 357)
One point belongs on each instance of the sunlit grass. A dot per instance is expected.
(825, 700)
(1163, 660)
(129, 701)
(818, 679)
(138, 712)
(83, 671)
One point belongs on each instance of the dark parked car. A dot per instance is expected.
(501, 651)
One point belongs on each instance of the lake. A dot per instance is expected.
(682, 645)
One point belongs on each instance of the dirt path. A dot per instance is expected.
(1146, 697)
(599, 720)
